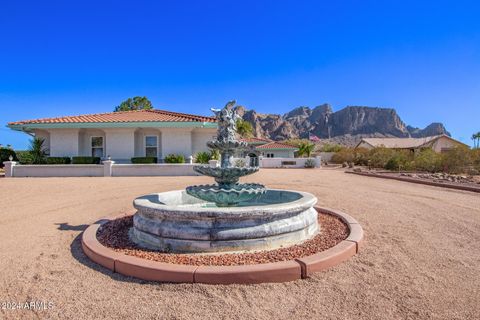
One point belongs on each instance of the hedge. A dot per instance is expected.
(144, 160)
(58, 160)
(24, 157)
(174, 158)
(5, 154)
(86, 160)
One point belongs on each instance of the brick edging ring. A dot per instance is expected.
(282, 271)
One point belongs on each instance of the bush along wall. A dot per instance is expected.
(174, 158)
(144, 160)
(85, 160)
(59, 160)
(5, 154)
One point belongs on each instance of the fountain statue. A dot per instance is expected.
(227, 191)
(228, 215)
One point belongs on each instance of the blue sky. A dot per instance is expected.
(74, 57)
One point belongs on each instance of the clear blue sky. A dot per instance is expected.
(73, 57)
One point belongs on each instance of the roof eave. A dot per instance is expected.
(133, 124)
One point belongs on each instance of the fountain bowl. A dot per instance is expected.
(178, 222)
(225, 197)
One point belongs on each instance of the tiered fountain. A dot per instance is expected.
(227, 216)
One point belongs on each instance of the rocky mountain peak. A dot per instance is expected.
(347, 125)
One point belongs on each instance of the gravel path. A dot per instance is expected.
(421, 259)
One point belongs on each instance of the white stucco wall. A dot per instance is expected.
(287, 162)
(279, 153)
(140, 135)
(176, 141)
(63, 142)
(85, 141)
(120, 144)
(200, 137)
(445, 144)
(142, 170)
(45, 135)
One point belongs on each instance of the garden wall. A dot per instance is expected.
(287, 162)
(67, 170)
(108, 168)
(164, 169)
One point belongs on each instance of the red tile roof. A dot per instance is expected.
(255, 140)
(123, 116)
(276, 145)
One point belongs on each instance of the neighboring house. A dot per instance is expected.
(440, 143)
(123, 135)
(276, 150)
(268, 148)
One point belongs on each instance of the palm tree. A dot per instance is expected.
(476, 140)
(244, 128)
(306, 148)
(37, 151)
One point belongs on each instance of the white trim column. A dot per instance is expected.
(9, 168)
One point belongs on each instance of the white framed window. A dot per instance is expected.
(97, 146)
(151, 146)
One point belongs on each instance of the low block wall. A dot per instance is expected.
(68, 170)
(287, 162)
(107, 169)
(135, 170)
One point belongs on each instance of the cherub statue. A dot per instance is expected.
(227, 122)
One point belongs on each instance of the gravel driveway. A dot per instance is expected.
(421, 258)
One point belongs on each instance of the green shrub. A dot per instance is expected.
(400, 160)
(457, 160)
(144, 160)
(342, 156)
(476, 159)
(203, 157)
(327, 147)
(24, 157)
(428, 160)
(37, 151)
(58, 160)
(174, 158)
(5, 154)
(86, 160)
(309, 163)
(380, 156)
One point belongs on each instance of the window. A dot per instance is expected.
(270, 155)
(151, 146)
(97, 147)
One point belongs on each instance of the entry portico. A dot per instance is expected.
(122, 135)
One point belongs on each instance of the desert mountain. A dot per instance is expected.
(346, 126)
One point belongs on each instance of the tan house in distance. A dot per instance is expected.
(440, 143)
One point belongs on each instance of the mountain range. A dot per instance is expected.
(346, 126)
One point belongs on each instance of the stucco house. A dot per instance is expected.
(122, 135)
(440, 143)
(269, 149)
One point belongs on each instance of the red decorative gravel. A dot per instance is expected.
(114, 234)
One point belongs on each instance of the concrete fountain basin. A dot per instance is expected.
(177, 222)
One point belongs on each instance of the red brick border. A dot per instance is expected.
(418, 181)
(247, 274)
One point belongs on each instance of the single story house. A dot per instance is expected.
(122, 135)
(269, 149)
(440, 143)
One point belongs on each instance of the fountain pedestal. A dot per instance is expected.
(228, 215)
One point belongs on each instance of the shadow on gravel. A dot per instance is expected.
(79, 255)
(65, 226)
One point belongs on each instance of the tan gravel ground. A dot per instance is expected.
(421, 259)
